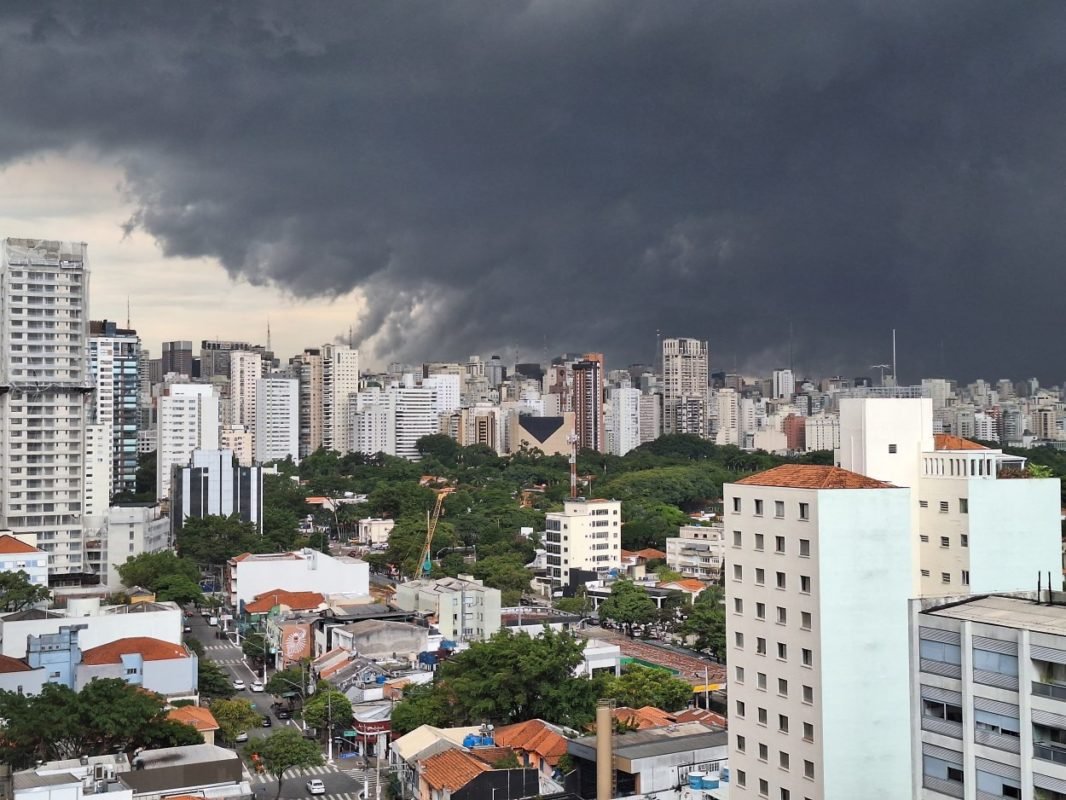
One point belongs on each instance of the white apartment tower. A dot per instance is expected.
(586, 535)
(44, 388)
(817, 583)
(340, 381)
(784, 384)
(245, 371)
(277, 419)
(686, 370)
(188, 421)
(623, 420)
(728, 418)
(413, 416)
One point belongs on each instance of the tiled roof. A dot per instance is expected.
(9, 664)
(200, 718)
(688, 584)
(149, 648)
(297, 601)
(945, 441)
(533, 736)
(701, 715)
(650, 553)
(9, 545)
(452, 769)
(812, 476)
(492, 755)
(641, 718)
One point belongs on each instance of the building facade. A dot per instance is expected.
(585, 536)
(277, 420)
(466, 610)
(698, 551)
(340, 381)
(686, 369)
(188, 421)
(115, 364)
(212, 484)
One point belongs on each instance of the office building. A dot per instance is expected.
(585, 537)
(45, 390)
(817, 583)
(212, 485)
(340, 381)
(686, 368)
(216, 355)
(277, 419)
(176, 359)
(115, 365)
(588, 390)
(188, 421)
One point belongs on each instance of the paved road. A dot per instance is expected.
(340, 783)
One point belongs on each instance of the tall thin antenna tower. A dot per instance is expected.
(895, 375)
(127, 312)
(269, 348)
(790, 347)
(660, 362)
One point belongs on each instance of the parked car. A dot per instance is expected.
(267, 722)
(242, 737)
(238, 684)
(257, 685)
(212, 621)
(283, 713)
(315, 786)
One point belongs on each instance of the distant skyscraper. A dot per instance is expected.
(188, 420)
(177, 358)
(308, 369)
(245, 372)
(588, 377)
(686, 370)
(623, 413)
(44, 388)
(277, 419)
(340, 382)
(115, 365)
(784, 384)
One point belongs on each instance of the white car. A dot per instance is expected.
(213, 622)
(242, 737)
(238, 684)
(257, 685)
(315, 786)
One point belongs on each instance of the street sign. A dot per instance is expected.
(349, 734)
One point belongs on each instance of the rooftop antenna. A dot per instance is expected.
(127, 312)
(660, 362)
(790, 346)
(269, 348)
(881, 367)
(895, 375)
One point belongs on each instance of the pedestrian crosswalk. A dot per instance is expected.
(220, 647)
(363, 778)
(227, 662)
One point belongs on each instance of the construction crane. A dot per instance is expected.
(425, 560)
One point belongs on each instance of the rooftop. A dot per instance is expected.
(644, 717)
(533, 736)
(297, 601)
(812, 476)
(9, 664)
(9, 545)
(656, 742)
(198, 717)
(149, 649)
(685, 584)
(187, 754)
(945, 441)
(1009, 612)
(452, 769)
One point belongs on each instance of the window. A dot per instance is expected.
(779, 544)
(131, 670)
(808, 769)
(805, 511)
(964, 505)
(740, 709)
(805, 548)
(987, 661)
(779, 508)
(739, 672)
(738, 638)
(736, 505)
(741, 743)
(945, 541)
(760, 576)
(758, 508)
(892, 449)
(782, 759)
(764, 787)
(738, 540)
(808, 657)
(966, 577)
(782, 723)
(764, 752)
(738, 572)
(945, 577)
(742, 778)
(805, 584)
(923, 504)
(964, 539)
(762, 716)
(808, 732)
(738, 605)
(760, 611)
(782, 687)
(934, 709)
(805, 620)
(939, 651)
(760, 646)
(782, 651)
(808, 694)
(780, 580)
(758, 541)
(925, 573)
(760, 680)
(786, 794)
(923, 537)
(782, 615)
(943, 506)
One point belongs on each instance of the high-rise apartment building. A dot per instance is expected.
(651, 417)
(585, 537)
(686, 369)
(115, 364)
(817, 580)
(728, 428)
(215, 356)
(340, 381)
(44, 393)
(177, 358)
(277, 419)
(623, 420)
(188, 421)
(307, 367)
(245, 372)
(783, 384)
(412, 417)
(588, 390)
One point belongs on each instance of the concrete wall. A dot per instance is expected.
(28, 682)
(101, 629)
(168, 677)
(313, 572)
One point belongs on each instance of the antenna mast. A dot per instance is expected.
(895, 378)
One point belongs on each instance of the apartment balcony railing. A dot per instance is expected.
(1053, 690)
(950, 788)
(1049, 751)
(942, 726)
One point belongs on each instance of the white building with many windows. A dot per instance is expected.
(586, 535)
(698, 551)
(277, 419)
(817, 585)
(188, 421)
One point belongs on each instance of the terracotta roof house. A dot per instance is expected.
(197, 717)
(158, 666)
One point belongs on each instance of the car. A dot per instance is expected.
(315, 786)
(283, 713)
(188, 629)
(213, 622)
(241, 737)
(257, 685)
(267, 722)
(238, 685)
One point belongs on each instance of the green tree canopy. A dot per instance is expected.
(628, 605)
(214, 540)
(326, 706)
(17, 591)
(706, 622)
(285, 750)
(179, 589)
(211, 680)
(234, 717)
(640, 686)
(288, 680)
(255, 646)
(147, 569)
(422, 704)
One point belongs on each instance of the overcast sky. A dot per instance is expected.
(476, 177)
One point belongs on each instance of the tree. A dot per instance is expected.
(18, 592)
(578, 604)
(286, 681)
(284, 750)
(212, 681)
(234, 717)
(628, 605)
(506, 573)
(706, 622)
(328, 709)
(643, 686)
(147, 569)
(256, 647)
(421, 705)
(179, 589)
(214, 539)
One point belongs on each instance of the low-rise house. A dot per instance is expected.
(642, 718)
(539, 745)
(421, 743)
(697, 551)
(375, 532)
(534, 619)
(251, 575)
(471, 775)
(200, 770)
(158, 666)
(464, 609)
(73, 779)
(19, 677)
(198, 717)
(382, 639)
(689, 587)
(19, 556)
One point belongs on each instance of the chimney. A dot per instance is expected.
(604, 749)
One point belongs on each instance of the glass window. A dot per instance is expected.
(995, 723)
(805, 548)
(779, 544)
(779, 508)
(939, 651)
(938, 710)
(805, 510)
(758, 541)
(987, 661)
(758, 508)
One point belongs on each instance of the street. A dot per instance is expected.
(342, 783)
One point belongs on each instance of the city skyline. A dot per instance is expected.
(470, 179)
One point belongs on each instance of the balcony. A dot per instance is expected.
(1056, 691)
(1050, 751)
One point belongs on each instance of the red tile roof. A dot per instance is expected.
(452, 769)
(9, 664)
(200, 718)
(533, 736)
(297, 601)
(812, 476)
(701, 715)
(650, 553)
(641, 718)
(944, 441)
(9, 545)
(150, 649)
(685, 584)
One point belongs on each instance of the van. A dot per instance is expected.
(213, 622)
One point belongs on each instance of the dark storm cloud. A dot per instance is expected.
(580, 174)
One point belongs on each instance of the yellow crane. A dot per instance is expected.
(425, 561)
